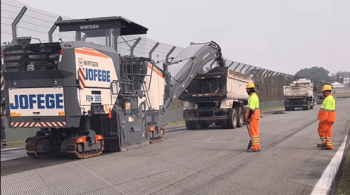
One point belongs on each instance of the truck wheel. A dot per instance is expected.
(307, 107)
(223, 124)
(240, 117)
(204, 125)
(193, 125)
(287, 108)
(232, 119)
(196, 125)
(189, 125)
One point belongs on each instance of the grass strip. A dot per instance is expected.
(16, 144)
(344, 183)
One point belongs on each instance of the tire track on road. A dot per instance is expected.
(280, 138)
(284, 137)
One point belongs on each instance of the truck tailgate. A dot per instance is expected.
(291, 91)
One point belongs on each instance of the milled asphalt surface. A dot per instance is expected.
(210, 161)
(12, 154)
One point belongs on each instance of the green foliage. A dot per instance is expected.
(16, 144)
(315, 73)
(270, 109)
(177, 104)
(176, 123)
(344, 183)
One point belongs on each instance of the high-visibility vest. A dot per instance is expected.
(327, 111)
(253, 104)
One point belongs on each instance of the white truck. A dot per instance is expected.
(299, 94)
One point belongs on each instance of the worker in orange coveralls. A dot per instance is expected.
(326, 116)
(252, 118)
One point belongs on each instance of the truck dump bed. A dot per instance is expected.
(299, 88)
(299, 95)
(219, 83)
(297, 91)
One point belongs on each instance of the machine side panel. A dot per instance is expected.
(95, 72)
(154, 87)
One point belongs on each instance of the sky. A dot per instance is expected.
(283, 36)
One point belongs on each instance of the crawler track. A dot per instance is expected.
(71, 148)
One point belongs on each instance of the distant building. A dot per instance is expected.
(337, 85)
(346, 81)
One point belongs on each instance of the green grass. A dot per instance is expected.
(182, 122)
(16, 144)
(177, 104)
(344, 183)
(176, 123)
(270, 109)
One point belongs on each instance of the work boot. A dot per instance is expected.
(251, 150)
(325, 148)
(320, 145)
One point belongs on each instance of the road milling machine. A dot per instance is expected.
(86, 98)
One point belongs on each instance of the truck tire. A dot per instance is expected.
(240, 116)
(223, 124)
(196, 125)
(189, 125)
(203, 125)
(308, 106)
(232, 119)
(193, 125)
(287, 108)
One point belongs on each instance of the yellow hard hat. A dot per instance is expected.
(250, 85)
(327, 88)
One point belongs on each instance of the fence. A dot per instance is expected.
(37, 23)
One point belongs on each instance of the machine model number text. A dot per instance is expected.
(93, 98)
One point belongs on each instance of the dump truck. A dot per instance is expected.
(318, 93)
(319, 98)
(85, 98)
(215, 95)
(299, 94)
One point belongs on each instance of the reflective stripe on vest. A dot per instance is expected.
(253, 102)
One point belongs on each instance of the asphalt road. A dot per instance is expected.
(210, 161)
